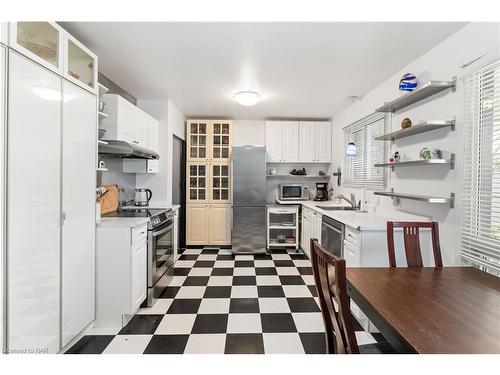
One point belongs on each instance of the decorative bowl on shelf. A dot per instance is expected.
(408, 83)
(406, 123)
(101, 133)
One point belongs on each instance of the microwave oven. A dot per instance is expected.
(292, 192)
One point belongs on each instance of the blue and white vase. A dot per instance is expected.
(408, 83)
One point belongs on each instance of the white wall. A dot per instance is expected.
(440, 63)
(249, 132)
(177, 127)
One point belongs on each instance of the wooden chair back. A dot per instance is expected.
(331, 283)
(411, 236)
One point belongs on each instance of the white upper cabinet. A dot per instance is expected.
(307, 143)
(80, 64)
(323, 142)
(273, 141)
(40, 41)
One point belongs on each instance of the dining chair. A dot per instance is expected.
(411, 237)
(330, 278)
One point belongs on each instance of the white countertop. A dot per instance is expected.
(122, 222)
(375, 219)
(154, 207)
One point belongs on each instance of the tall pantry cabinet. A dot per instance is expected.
(208, 175)
(51, 127)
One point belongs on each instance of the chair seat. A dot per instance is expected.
(382, 347)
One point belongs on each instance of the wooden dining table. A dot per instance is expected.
(430, 310)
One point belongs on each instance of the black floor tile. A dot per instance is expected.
(244, 305)
(303, 305)
(244, 343)
(91, 344)
(142, 325)
(281, 322)
(196, 281)
(378, 348)
(357, 326)
(225, 257)
(170, 292)
(210, 323)
(181, 271)
(313, 290)
(244, 263)
(210, 251)
(262, 257)
(262, 271)
(188, 257)
(244, 280)
(270, 291)
(204, 264)
(222, 271)
(378, 336)
(299, 256)
(184, 306)
(167, 344)
(305, 270)
(279, 251)
(284, 263)
(217, 292)
(292, 280)
(313, 343)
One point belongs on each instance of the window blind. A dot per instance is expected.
(360, 170)
(481, 185)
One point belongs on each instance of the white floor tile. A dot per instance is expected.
(296, 291)
(282, 343)
(160, 307)
(289, 271)
(225, 252)
(264, 263)
(224, 264)
(177, 281)
(184, 264)
(200, 271)
(243, 257)
(244, 271)
(206, 344)
(364, 338)
(104, 331)
(308, 279)
(268, 280)
(193, 251)
(308, 322)
(244, 323)
(220, 281)
(207, 257)
(191, 292)
(302, 263)
(128, 344)
(214, 306)
(280, 257)
(273, 305)
(176, 324)
(244, 291)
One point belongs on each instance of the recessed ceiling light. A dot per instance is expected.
(247, 97)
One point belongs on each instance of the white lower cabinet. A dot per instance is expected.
(121, 273)
(197, 224)
(311, 228)
(208, 224)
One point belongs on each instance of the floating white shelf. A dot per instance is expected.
(102, 115)
(102, 169)
(102, 142)
(421, 198)
(450, 162)
(102, 89)
(295, 176)
(276, 243)
(423, 127)
(425, 91)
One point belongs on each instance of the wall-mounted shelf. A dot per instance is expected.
(425, 91)
(295, 176)
(421, 198)
(102, 169)
(423, 127)
(102, 142)
(450, 162)
(102, 115)
(102, 89)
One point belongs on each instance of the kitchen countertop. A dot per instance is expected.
(122, 222)
(375, 219)
(155, 206)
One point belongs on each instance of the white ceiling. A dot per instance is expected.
(302, 70)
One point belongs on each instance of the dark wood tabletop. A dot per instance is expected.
(430, 310)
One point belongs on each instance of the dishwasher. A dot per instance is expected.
(332, 236)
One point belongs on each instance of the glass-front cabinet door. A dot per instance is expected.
(220, 182)
(80, 64)
(40, 41)
(197, 140)
(197, 182)
(221, 140)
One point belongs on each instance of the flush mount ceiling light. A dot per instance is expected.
(247, 97)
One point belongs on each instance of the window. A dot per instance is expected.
(360, 170)
(481, 186)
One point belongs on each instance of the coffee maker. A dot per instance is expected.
(321, 191)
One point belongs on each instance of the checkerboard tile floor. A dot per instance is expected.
(222, 303)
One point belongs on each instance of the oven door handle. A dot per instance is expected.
(160, 232)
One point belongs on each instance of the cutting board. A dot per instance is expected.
(109, 201)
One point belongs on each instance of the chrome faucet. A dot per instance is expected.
(352, 201)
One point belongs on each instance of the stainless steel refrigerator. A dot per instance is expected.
(249, 199)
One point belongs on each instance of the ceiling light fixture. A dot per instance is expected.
(247, 97)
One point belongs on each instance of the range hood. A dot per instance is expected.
(125, 150)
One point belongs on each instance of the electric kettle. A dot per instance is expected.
(142, 197)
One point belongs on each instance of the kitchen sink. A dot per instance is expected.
(341, 208)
